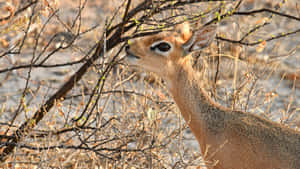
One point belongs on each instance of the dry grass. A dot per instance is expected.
(127, 119)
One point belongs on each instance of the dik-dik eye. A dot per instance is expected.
(161, 47)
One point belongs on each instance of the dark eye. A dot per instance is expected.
(163, 47)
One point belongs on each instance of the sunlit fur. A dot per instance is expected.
(233, 139)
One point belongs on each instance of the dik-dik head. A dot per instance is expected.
(159, 53)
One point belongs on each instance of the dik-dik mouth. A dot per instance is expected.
(130, 54)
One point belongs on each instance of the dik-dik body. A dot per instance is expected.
(235, 139)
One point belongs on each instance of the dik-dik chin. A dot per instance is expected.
(235, 139)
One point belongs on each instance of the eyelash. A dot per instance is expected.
(160, 49)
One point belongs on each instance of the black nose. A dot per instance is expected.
(127, 47)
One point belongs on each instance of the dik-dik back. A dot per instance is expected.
(235, 139)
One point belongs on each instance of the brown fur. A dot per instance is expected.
(237, 140)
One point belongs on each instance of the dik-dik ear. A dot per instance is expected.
(200, 38)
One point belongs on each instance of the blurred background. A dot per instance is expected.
(69, 100)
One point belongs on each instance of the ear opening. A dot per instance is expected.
(200, 39)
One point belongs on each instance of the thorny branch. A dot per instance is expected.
(116, 33)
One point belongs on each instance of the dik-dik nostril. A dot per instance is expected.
(127, 47)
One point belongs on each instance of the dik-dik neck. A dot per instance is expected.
(185, 86)
(194, 103)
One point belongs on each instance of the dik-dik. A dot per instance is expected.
(236, 139)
